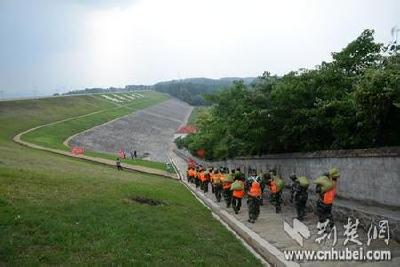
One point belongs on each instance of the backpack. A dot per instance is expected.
(303, 181)
(325, 183)
(237, 186)
(280, 184)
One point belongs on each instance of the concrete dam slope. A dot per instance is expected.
(149, 131)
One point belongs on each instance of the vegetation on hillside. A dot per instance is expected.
(351, 102)
(196, 113)
(193, 90)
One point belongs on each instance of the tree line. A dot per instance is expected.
(192, 90)
(351, 102)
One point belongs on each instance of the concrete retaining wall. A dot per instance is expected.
(367, 175)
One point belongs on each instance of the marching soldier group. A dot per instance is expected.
(233, 186)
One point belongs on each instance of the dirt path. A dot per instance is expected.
(149, 131)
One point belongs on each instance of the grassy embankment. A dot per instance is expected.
(195, 113)
(63, 211)
(52, 136)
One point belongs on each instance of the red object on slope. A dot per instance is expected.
(121, 154)
(77, 150)
(187, 129)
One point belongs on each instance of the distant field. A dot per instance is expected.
(56, 210)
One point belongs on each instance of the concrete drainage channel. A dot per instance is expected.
(260, 248)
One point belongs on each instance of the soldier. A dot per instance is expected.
(197, 178)
(211, 179)
(275, 186)
(191, 174)
(118, 163)
(263, 183)
(299, 194)
(326, 199)
(205, 182)
(201, 177)
(249, 180)
(238, 193)
(253, 198)
(227, 188)
(217, 185)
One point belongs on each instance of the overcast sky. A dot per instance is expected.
(49, 46)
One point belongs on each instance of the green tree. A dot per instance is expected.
(351, 102)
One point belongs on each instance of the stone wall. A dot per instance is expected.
(368, 175)
(368, 190)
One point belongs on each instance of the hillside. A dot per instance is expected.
(56, 210)
(190, 90)
(149, 131)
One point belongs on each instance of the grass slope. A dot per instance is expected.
(195, 113)
(140, 162)
(52, 136)
(56, 210)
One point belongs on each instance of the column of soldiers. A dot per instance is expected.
(233, 185)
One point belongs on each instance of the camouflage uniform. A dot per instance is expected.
(299, 194)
